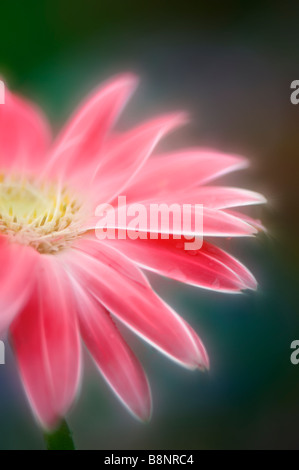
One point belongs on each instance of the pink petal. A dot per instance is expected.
(209, 267)
(180, 171)
(201, 348)
(128, 154)
(15, 284)
(244, 274)
(115, 360)
(47, 345)
(126, 293)
(256, 223)
(215, 197)
(81, 141)
(24, 135)
(218, 223)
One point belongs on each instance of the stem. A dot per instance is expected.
(60, 439)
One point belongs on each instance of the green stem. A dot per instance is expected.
(60, 439)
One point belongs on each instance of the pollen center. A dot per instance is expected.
(40, 215)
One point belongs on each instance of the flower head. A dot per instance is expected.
(61, 286)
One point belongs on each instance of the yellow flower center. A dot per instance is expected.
(43, 216)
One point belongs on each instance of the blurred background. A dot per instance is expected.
(231, 65)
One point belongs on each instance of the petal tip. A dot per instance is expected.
(144, 414)
(125, 80)
(204, 364)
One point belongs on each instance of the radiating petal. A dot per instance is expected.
(209, 267)
(200, 347)
(180, 171)
(46, 342)
(214, 197)
(256, 223)
(114, 358)
(16, 261)
(81, 141)
(126, 293)
(129, 153)
(24, 135)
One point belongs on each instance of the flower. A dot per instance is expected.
(61, 286)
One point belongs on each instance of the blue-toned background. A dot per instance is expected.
(231, 66)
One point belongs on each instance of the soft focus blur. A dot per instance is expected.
(231, 66)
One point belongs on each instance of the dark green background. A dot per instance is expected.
(230, 64)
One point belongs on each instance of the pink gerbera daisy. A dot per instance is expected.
(61, 286)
